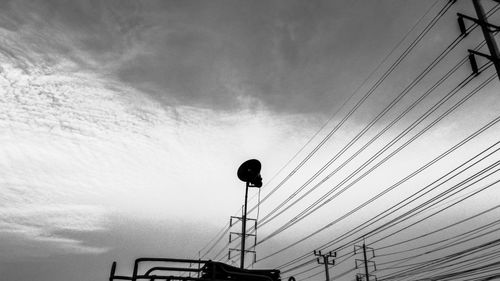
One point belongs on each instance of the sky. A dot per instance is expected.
(122, 123)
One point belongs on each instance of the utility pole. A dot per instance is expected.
(326, 260)
(488, 30)
(366, 261)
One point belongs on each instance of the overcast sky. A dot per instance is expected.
(122, 123)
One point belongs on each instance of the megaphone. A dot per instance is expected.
(249, 172)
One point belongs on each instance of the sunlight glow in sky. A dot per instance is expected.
(122, 123)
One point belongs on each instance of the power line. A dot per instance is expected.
(464, 237)
(442, 260)
(442, 155)
(369, 92)
(412, 45)
(288, 224)
(219, 239)
(451, 46)
(371, 140)
(296, 259)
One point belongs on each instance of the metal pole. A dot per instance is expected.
(366, 263)
(488, 36)
(325, 261)
(244, 229)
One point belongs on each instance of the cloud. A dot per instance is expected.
(32, 230)
(141, 112)
(211, 54)
(77, 149)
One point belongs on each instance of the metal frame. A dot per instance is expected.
(213, 269)
(239, 251)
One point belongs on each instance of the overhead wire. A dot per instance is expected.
(442, 260)
(464, 235)
(451, 46)
(347, 100)
(227, 230)
(294, 260)
(291, 222)
(415, 196)
(442, 228)
(463, 238)
(408, 109)
(449, 266)
(362, 100)
(412, 45)
(435, 85)
(451, 257)
(469, 29)
(442, 155)
(461, 200)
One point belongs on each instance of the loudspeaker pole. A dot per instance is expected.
(248, 172)
(244, 228)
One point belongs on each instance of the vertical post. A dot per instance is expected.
(112, 273)
(244, 229)
(366, 263)
(325, 261)
(199, 261)
(488, 36)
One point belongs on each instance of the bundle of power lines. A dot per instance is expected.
(457, 244)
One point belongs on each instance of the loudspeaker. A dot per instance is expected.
(249, 172)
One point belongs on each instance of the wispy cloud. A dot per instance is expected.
(77, 149)
(35, 229)
(210, 54)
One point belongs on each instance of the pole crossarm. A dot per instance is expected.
(329, 254)
(239, 250)
(231, 223)
(326, 259)
(487, 30)
(358, 261)
(356, 247)
(483, 55)
(461, 17)
(238, 234)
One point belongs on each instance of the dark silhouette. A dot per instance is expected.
(203, 270)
